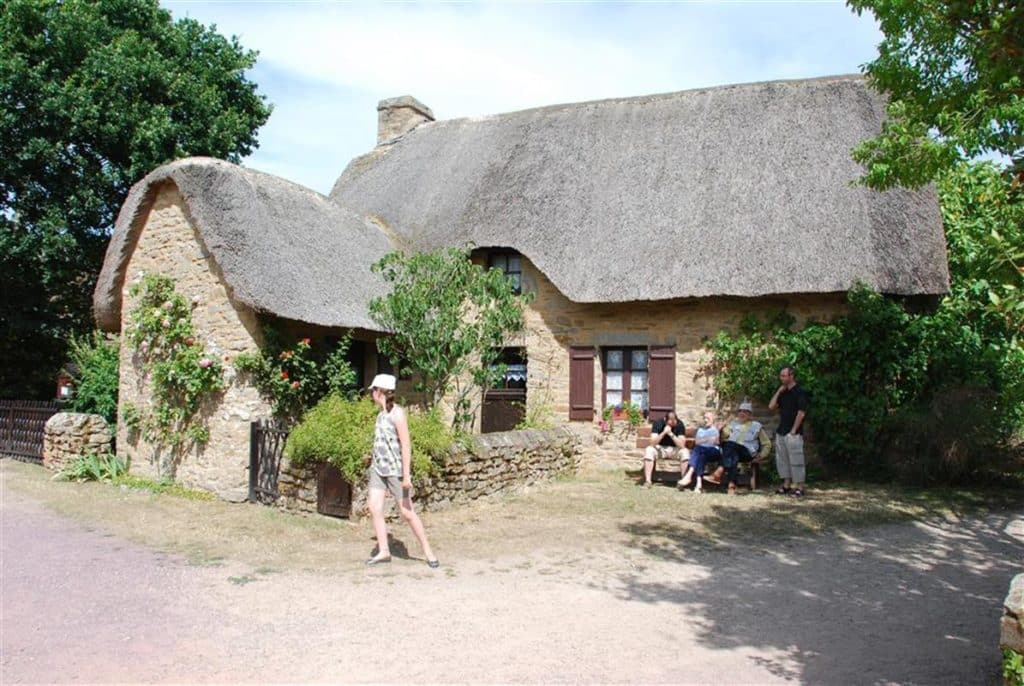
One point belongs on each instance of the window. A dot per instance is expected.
(514, 360)
(625, 377)
(510, 263)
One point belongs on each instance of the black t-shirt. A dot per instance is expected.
(659, 426)
(790, 403)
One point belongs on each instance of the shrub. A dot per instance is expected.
(96, 380)
(295, 378)
(1013, 668)
(921, 395)
(182, 374)
(93, 467)
(340, 431)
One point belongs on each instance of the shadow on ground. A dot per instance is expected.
(901, 603)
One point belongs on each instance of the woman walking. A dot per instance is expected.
(391, 470)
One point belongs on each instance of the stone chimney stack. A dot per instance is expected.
(396, 116)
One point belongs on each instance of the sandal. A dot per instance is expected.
(783, 490)
(798, 493)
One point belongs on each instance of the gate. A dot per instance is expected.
(21, 428)
(266, 446)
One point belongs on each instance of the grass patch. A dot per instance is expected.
(162, 488)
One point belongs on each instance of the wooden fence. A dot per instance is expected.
(21, 428)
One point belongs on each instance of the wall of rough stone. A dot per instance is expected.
(554, 323)
(498, 463)
(169, 244)
(67, 435)
(1011, 625)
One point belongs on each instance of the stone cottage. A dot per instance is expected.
(642, 225)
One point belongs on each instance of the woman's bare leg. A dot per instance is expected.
(375, 503)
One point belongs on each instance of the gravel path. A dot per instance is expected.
(909, 603)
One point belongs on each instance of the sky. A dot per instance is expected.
(325, 65)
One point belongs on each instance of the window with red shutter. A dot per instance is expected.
(581, 383)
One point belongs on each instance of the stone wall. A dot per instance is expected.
(1011, 626)
(554, 323)
(499, 463)
(67, 435)
(169, 244)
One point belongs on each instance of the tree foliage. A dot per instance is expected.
(954, 73)
(449, 319)
(923, 396)
(94, 95)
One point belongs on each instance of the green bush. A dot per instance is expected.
(917, 396)
(295, 378)
(182, 373)
(93, 467)
(1013, 668)
(96, 380)
(340, 431)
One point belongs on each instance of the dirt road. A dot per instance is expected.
(899, 603)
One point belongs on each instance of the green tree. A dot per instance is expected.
(93, 95)
(954, 74)
(449, 319)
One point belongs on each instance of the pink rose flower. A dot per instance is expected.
(168, 305)
(166, 323)
(205, 363)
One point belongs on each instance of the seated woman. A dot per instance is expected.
(705, 449)
(743, 439)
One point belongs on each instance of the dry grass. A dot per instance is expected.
(594, 510)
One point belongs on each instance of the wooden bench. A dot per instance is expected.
(748, 471)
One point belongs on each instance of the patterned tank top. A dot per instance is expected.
(387, 452)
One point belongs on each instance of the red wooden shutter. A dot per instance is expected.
(581, 383)
(661, 380)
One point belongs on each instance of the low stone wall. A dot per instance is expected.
(67, 435)
(1011, 626)
(498, 463)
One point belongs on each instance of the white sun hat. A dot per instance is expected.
(385, 382)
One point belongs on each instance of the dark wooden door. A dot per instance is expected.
(503, 409)
(333, 492)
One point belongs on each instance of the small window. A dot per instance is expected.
(511, 263)
(514, 377)
(625, 377)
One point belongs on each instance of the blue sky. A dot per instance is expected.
(325, 65)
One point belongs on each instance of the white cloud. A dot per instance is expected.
(325, 66)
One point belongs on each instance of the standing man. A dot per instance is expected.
(792, 402)
(668, 439)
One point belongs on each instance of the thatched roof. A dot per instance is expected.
(282, 248)
(740, 190)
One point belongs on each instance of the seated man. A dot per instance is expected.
(746, 438)
(705, 449)
(668, 439)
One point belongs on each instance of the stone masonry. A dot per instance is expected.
(1011, 626)
(68, 435)
(169, 244)
(498, 463)
(554, 323)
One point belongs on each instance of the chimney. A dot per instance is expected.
(397, 116)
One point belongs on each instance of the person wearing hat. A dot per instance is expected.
(391, 470)
(743, 439)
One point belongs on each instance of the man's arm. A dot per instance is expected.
(773, 404)
(799, 420)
